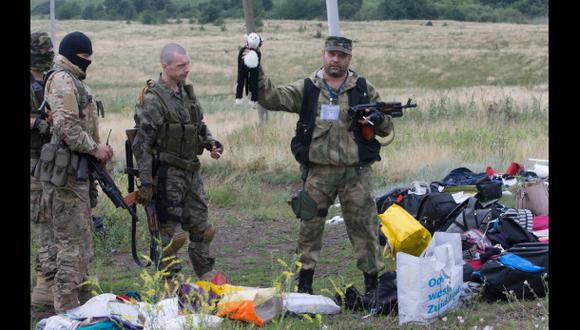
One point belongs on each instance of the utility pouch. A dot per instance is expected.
(46, 165)
(304, 206)
(61, 163)
(74, 163)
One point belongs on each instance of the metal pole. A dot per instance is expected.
(52, 23)
(249, 16)
(332, 17)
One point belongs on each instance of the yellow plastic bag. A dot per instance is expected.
(404, 233)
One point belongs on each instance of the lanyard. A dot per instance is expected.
(331, 93)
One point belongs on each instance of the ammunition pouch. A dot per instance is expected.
(60, 172)
(303, 206)
(183, 164)
(56, 163)
(44, 169)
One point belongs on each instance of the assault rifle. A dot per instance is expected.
(91, 168)
(155, 247)
(394, 109)
(361, 111)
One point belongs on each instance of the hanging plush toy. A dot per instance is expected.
(248, 68)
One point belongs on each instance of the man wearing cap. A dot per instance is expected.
(335, 158)
(171, 134)
(41, 56)
(75, 131)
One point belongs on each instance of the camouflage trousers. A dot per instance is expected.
(40, 229)
(354, 189)
(180, 201)
(70, 214)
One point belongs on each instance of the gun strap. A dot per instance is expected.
(359, 94)
(37, 89)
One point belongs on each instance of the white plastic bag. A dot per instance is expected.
(301, 303)
(429, 286)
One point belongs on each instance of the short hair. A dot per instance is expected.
(168, 52)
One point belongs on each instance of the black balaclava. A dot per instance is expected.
(76, 43)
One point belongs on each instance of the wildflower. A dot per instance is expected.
(543, 318)
(526, 282)
(281, 262)
(481, 319)
(444, 319)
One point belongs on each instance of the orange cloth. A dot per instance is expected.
(241, 310)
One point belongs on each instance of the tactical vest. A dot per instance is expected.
(36, 98)
(180, 141)
(368, 151)
(57, 161)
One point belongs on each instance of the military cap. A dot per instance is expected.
(38, 41)
(340, 44)
(41, 52)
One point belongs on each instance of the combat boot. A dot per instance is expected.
(42, 294)
(176, 243)
(371, 282)
(305, 277)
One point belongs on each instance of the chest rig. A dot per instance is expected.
(180, 139)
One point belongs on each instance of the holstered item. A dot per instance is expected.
(47, 155)
(184, 164)
(304, 206)
(61, 162)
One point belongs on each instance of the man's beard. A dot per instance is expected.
(336, 72)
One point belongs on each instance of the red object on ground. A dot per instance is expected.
(489, 171)
(219, 278)
(475, 263)
(514, 169)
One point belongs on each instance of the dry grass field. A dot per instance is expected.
(482, 95)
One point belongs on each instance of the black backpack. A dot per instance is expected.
(469, 215)
(500, 282)
(431, 209)
(508, 232)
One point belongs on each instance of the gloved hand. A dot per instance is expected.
(146, 194)
(376, 117)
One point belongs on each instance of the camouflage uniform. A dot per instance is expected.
(74, 123)
(40, 60)
(172, 166)
(334, 170)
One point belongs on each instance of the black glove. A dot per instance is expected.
(376, 117)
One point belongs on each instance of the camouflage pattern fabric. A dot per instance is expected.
(40, 229)
(41, 53)
(69, 206)
(180, 198)
(332, 143)
(354, 189)
(334, 170)
(150, 116)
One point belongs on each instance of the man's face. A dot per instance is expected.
(178, 68)
(335, 63)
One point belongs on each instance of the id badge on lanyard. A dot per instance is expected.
(329, 112)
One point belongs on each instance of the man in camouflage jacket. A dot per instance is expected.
(171, 134)
(335, 164)
(41, 56)
(75, 131)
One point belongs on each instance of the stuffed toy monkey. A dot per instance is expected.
(248, 69)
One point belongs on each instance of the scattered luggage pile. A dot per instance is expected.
(452, 239)
(460, 227)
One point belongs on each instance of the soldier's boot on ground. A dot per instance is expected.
(42, 294)
(305, 277)
(371, 282)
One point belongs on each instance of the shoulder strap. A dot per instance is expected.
(37, 89)
(358, 94)
(309, 102)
